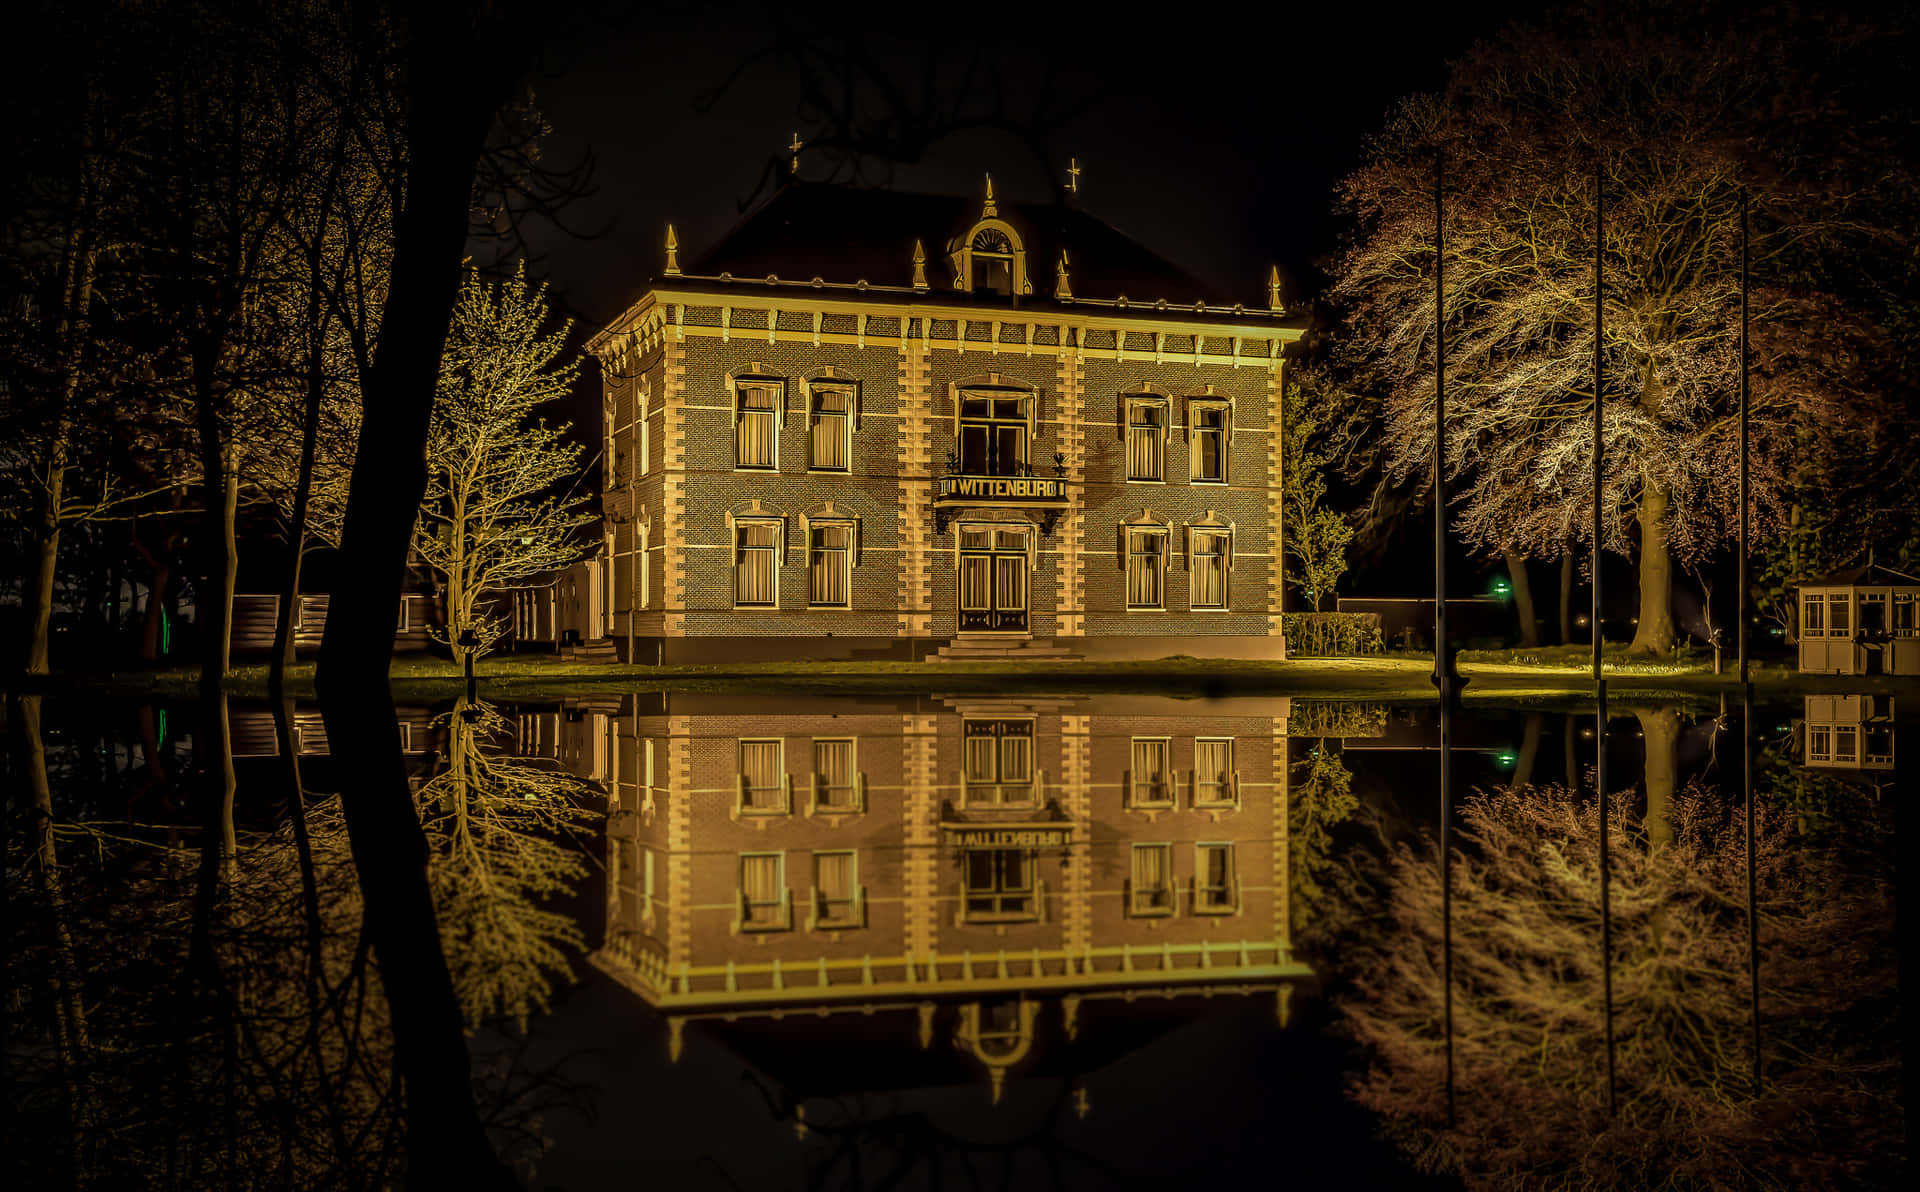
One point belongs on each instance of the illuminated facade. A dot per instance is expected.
(1861, 622)
(823, 441)
(974, 869)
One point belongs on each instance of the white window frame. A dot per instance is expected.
(1229, 796)
(1164, 408)
(776, 414)
(644, 399)
(1842, 604)
(852, 549)
(743, 920)
(1194, 407)
(855, 903)
(1819, 743)
(856, 789)
(1813, 607)
(1170, 890)
(1232, 904)
(1846, 743)
(778, 552)
(1168, 779)
(1226, 536)
(848, 419)
(783, 790)
(1160, 579)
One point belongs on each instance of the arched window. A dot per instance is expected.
(990, 259)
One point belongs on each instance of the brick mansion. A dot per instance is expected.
(871, 424)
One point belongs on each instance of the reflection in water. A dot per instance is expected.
(1040, 934)
(1529, 1004)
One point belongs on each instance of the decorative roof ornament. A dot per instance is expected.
(919, 265)
(989, 211)
(1274, 302)
(673, 253)
(794, 149)
(1073, 175)
(1062, 287)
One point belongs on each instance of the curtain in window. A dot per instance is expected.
(1216, 875)
(829, 430)
(1016, 758)
(975, 575)
(833, 771)
(753, 428)
(827, 565)
(1146, 441)
(1209, 566)
(760, 765)
(1150, 771)
(754, 564)
(1145, 550)
(1010, 582)
(1213, 771)
(761, 883)
(833, 876)
(1210, 443)
(1151, 876)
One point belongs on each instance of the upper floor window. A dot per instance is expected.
(763, 777)
(1146, 439)
(837, 900)
(994, 433)
(1150, 781)
(836, 784)
(1150, 885)
(829, 429)
(765, 904)
(1209, 430)
(755, 429)
(756, 564)
(992, 262)
(1215, 782)
(999, 884)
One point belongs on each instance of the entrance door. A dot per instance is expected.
(993, 580)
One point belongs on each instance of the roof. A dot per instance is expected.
(846, 234)
(1866, 575)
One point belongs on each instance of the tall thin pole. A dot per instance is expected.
(1745, 478)
(1599, 679)
(1443, 676)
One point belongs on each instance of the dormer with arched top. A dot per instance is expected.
(991, 257)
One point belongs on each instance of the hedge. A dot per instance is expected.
(1332, 635)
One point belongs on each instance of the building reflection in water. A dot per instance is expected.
(1848, 732)
(969, 871)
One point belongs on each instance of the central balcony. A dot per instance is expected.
(1019, 488)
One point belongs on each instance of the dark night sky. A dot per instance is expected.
(1217, 142)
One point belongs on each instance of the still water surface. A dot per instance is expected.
(709, 940)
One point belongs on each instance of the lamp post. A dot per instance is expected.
(1599, 679)
(469, 642)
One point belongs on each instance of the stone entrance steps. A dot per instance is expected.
(600, 649)
(1001, 649)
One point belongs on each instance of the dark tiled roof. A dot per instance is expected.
(842, 234)
(1867, 575)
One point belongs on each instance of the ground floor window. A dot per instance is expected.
(1000, 884)
(997, 762)
(1214, 782)
(1819, 744)
(1208, 565)
(829, 565)
(1150, 782)
(835, 786)
(1146, 568)
(763, 777)
(756, 564)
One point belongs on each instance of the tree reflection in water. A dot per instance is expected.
(1528, 1005)
(171, 1032)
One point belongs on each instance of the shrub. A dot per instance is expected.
(1332, 635)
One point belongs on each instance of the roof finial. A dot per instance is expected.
(1274, 302)
(673, 253)
(1062, 288)
(1073, 175)
(795, 148)
(989, 211)
(919, 265)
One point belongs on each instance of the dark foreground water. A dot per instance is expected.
(1008, 940)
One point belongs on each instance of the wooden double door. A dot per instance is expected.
(994, 566)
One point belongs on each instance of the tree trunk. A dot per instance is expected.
(1566, 597)
(1522, 598)
(1655, 634)
(46, 563)
(1568, 737)
(1660, 732)
(213, 603)
(1529, 751)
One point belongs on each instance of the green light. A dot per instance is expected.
(1505, 757)
(1502, 588)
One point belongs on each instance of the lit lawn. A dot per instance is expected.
(1505, 675)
